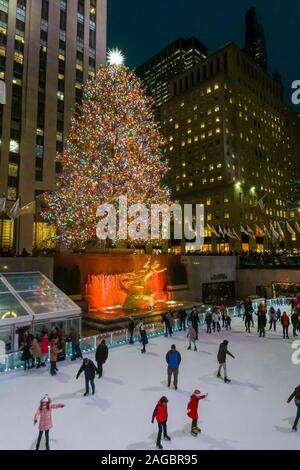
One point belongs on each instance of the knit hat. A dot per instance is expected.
(46, 398)
(197, 393)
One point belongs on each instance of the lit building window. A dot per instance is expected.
(182, 104)
(208, 90)
(13, 169)
(14, 146)
(191, 184)
(216, 87)
(209, 216)
(226, 215)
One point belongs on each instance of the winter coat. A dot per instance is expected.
(191, 333)
(182, 314)
(261, 320)
(295, 319)
(144, 338)
(45, 345)
(296, 395)
(192, 408)
(26, 354)
(208, 318)
(54, 350)
(216, 317)
(160, 412)
(194, 318)
(45, 416)
(101, 353)
(171, 320)
(131, 326)
(75, 337)
(228, 320)
(285, 321)
(89, 370)
(35, 348)
(173, 359)
(222, 353)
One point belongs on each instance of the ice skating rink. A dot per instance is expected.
(249, 413)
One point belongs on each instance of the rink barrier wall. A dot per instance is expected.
(12, 361)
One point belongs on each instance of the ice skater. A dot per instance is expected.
(101, 357)
(227, 322)
(285, 321)
(192, 411)
(261, 323)
(192, 337)
(44, 415)
(296, 396)
(222, 355)
(89, 369)
(144, 338)
(208, 321)
(173, 359)
(161, 414)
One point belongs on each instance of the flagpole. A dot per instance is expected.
(19, 226)
(36, 225)
(2, 228)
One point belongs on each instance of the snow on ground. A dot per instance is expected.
(249, 413)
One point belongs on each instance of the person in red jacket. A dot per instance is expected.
(161, 414)
(192, 411)
(285, 321)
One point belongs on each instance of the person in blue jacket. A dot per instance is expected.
(173, 359)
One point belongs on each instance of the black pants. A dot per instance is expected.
(39, 440)
(182, 324)
(247, 325)
(52, 368)
(272, 322)
(26, 364)
(168, 330)
(196, 329)
(131, 337)
(100, 369)
(294, 330)
(228, 326)
(162, 428)
(194, 424)
(285, 331)
(262, 331)
(208, 330)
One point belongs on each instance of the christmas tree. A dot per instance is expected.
(114, 147)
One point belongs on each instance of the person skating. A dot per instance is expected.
(26, 355)
(160, 413)
(278, 314)
(272, 318)
(192, 337)
(101, 357)
(296, 396)
(222, 356)
(44, 349)
(44, 416)
(285, 321)
(182, 319)
(131, 327)
(76, 350)
(144, 338)
(89, 369)
(208, 321)
(227, 322)
(261, 323)
(194, 319)
(192, 410)
(295, 321)
(173, 358)
(54, 350)
(247, 317)
(166, 321)
(216, 321)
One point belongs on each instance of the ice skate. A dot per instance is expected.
(194, 432)
(159, 446)
(226, 380)
(167, 438)
(189, 348)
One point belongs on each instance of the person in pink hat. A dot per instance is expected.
(44, 415)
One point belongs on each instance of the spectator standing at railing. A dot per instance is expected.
(144, 338)
(26, 355)
(171, 322)
(44, 349)
(166, 321)
(131, 327)
(36, 352)
(54, 350)
(101, 357)
(285, 321)
(75, 339)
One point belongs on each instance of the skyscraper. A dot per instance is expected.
(48, 49)
(181, 55)
(255, 40)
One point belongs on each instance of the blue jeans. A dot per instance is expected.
(87, 388)
(298, 415)
(76, 351)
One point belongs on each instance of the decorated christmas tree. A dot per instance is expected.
(114, 147)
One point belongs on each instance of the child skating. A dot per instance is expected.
(192, 411)
(44, 415)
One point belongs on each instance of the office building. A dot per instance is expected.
(255, 40)
(181, 55)
(232, 146)
(48, 49)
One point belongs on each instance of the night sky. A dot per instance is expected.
(143, 27)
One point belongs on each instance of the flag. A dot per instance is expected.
(2, 92)
(14, 211)
(221, 231)
(280, 230)
(236, 235)
(267, 232)
(259, 232)
(290, 229)
(2, 204)
(243, 230)
(297, 226)
(274, 233)
(212, 229)
(230, 234)
(250, 232)
(261, 204)
(30, 208)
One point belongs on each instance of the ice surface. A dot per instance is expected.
(249, 413)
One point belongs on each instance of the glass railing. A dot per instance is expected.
(12, 361)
